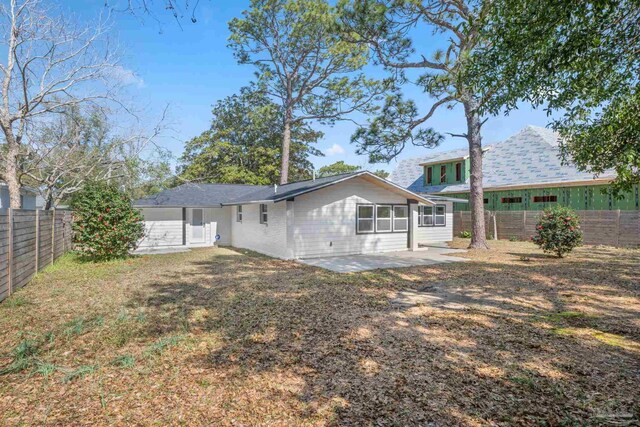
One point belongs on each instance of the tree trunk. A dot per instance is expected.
(11, 168)
(286, 146)
(476, 193)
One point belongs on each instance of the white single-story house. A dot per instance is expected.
(346, 214)
(27, 196)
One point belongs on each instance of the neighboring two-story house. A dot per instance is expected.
(523, 172)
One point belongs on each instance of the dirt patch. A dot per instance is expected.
(219, 337)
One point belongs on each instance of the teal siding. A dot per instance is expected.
(588, 197)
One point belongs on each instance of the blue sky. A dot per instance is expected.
(189, 67)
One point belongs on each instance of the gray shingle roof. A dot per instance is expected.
(529, 157)
(198, 195)
(216, 195)
(286, 191)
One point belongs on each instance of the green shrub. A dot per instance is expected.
(465, 234)
(105, 224)
(558, 231)
(513, 238)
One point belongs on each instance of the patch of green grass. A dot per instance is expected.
(161, 345)
(81, 372)
(75, 327)
(24, 356)
(16, 301)
(567, 315)
(523, 381)
(613, 340)
(124, 361)
(44, 369)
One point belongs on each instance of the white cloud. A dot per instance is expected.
(127, 77)
(335, 149)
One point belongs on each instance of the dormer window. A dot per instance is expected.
(458, 171)
(429, 175)
(443, 173)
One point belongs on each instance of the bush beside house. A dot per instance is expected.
(105, 225)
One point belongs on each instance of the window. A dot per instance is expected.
(400, 218)
(458, 171)
(429, 175)
(486, 201)
(429, 216)
(511, 200)
(545, 199)
(263, 214)
(425, 216)
(443, 173)
(239, 214)
(383, 218)
(440, 215)
(364, 219)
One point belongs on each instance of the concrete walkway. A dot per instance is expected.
(160, 250)
(433, 254)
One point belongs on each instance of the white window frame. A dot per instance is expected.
(372, 219)
(432, 219)
(239, 213)
(389, 219)
(264, 213)
(443, 216)
(405, 218)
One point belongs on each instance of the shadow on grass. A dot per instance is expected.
(494, 357)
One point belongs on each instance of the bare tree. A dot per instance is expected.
(51, 64)
(75, 147)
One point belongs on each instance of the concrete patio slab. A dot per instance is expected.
(433, 254)
(159, 251)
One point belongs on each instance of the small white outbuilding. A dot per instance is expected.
(346, 214)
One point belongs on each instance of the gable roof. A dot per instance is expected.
(288, 191)
(530, 157)
(217, 195)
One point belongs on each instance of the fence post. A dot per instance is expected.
(618, 229)
(10, 252)
(524, 225)
(495, 226)
(53, 234)
(37, 239)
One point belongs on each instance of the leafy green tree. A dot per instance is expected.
(243, 144)
(580, 60)
(558, 231)
(336, 169)
(388, 27)
(105, 224)
(381, 173)
(304, 63)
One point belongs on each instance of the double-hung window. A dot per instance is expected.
(239, 214)
(440, 215)
(365, 218)
(264, 216)
(400, 218)
(383, 218)
(429, 216)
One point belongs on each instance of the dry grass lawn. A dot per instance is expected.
(219, 337)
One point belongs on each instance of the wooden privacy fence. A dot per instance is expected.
(611, 228)
(29, 241)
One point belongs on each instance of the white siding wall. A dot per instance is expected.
(325, 221)
(222, 217)
(439, 233)
(163, 227)
(270, 238)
